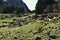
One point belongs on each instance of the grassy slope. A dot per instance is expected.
(37, 28)
(29, 31)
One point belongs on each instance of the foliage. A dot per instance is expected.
(47, 6)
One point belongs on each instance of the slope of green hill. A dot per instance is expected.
(33, 30)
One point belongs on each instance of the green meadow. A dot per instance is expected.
(13, 27)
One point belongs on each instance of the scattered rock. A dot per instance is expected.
(44, 15)
(38, 38)
(15, 37)
(3, 26)
(48, 33)
(14, 19)
(53, 36)
(49, 39)
(40, 29)
(11, 23)
(4, 22)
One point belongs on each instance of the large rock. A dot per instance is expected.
(13, 5)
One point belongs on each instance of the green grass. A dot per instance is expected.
(27, 32)
(11, 19)
(37, 28)
(4, 32)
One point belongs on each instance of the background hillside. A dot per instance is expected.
(13, 6)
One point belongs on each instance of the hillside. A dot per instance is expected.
(13, 6)
(13, 27)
